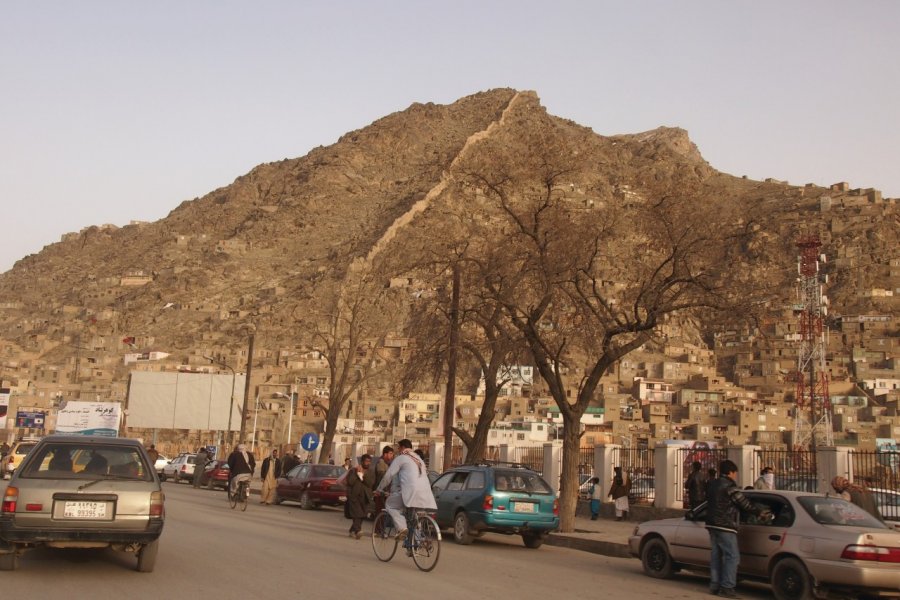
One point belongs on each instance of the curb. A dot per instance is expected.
(604, 548)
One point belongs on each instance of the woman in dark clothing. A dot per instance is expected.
(358, 495)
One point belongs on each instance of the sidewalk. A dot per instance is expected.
(604, 536)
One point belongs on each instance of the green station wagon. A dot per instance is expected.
(497, 498)
(83, 492)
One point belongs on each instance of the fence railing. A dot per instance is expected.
(533, 457)
(795, 470)
(638, 464)
(879, 471)
(709, 458)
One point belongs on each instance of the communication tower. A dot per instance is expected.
(812, 419)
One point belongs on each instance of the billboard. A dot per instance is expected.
(89, 418)
(4, 406)
(30, 419)
(170, 400)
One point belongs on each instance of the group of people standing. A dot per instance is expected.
(619, 490)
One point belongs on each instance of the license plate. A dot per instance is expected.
(523, 507)
(84, 510)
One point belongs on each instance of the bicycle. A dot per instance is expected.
(241, 496)
(422, 542)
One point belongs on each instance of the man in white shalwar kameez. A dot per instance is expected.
(410, 487)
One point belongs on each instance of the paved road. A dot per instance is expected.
(208, 550)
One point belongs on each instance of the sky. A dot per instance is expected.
(119, 111)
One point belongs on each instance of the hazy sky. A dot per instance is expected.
(113, 111)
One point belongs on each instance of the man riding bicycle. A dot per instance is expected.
(241, 465)
(411, 487)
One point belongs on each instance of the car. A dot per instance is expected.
(215, 474)
(15, 456)
(312, 486)
(888, 502)
(114, 501)
(160, 463)
(815, 544)
(505, 498)
(643, 490)
(180, 468)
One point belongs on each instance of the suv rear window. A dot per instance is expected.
(86, 461)
(520, 481)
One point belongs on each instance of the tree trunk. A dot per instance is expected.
(568, 476)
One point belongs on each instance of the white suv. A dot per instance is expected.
(179, 468)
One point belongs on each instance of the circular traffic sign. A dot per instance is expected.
(309, 441)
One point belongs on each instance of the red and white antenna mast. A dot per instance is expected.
(812, 418)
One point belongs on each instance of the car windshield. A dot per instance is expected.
(837, 511)
(520, 481)
(86, 462)
(326, 471)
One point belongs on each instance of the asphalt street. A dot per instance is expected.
(209, 550)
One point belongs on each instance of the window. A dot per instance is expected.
(836, 511)
(458, 481)
(87, 461)
(784, 514)
(475, 481)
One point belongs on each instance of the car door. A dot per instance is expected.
(690, 544)
(443, 504)
(451, 496)
(297, 482)
(472, 497)
(759, 539)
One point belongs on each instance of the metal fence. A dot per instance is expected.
(879, 472)
(533, 457)
(795, 470)
(638, 464)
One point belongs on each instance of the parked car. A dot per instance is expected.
(814, 544)
(312, 486)
(180, 468)
(161, 462)
(17, 453)
(115, 500)
(215, 474)
(888, 502)
(496, 498)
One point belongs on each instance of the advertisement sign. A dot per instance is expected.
(4, 406)
(89, 418)
(30, 419)
(888, 453)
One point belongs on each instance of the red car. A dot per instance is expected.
(215, 475)
(312, 486)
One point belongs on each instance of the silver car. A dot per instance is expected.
(83, 492)
(814, 545)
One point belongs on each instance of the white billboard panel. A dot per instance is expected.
(89, 418)
(184, 401)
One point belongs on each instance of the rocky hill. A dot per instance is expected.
(260, 249)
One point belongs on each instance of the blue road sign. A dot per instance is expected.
(309, 441)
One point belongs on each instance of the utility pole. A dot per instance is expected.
(246, 390)
(450, 398)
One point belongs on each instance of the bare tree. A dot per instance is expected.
(587, 283)
(350, 336)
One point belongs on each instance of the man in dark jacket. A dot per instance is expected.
(241, 465)
(359, 495)
(696, 486)
(723, 513)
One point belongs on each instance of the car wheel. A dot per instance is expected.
(461, 534)
(532, 540)
(147, 557)
(162, 477)
(276, 499)
(9, 562)
(656, 560)
(305, 501)
(209, 484)
(791, 581)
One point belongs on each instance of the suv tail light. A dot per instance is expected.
(872, 553)
(556, 506)
(10, 497)
(157, 509)
(488, 503)
(184, 468)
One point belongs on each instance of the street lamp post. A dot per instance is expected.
(292, 398)
(231, 403)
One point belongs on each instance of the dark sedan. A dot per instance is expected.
(312, 486)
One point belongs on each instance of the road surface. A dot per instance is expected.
(208, 550)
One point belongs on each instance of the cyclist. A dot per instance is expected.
(411, 487)
(241, 465)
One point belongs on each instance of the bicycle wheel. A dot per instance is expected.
(232, 497)
(245, 495)
(426, 543)
(384, 541)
